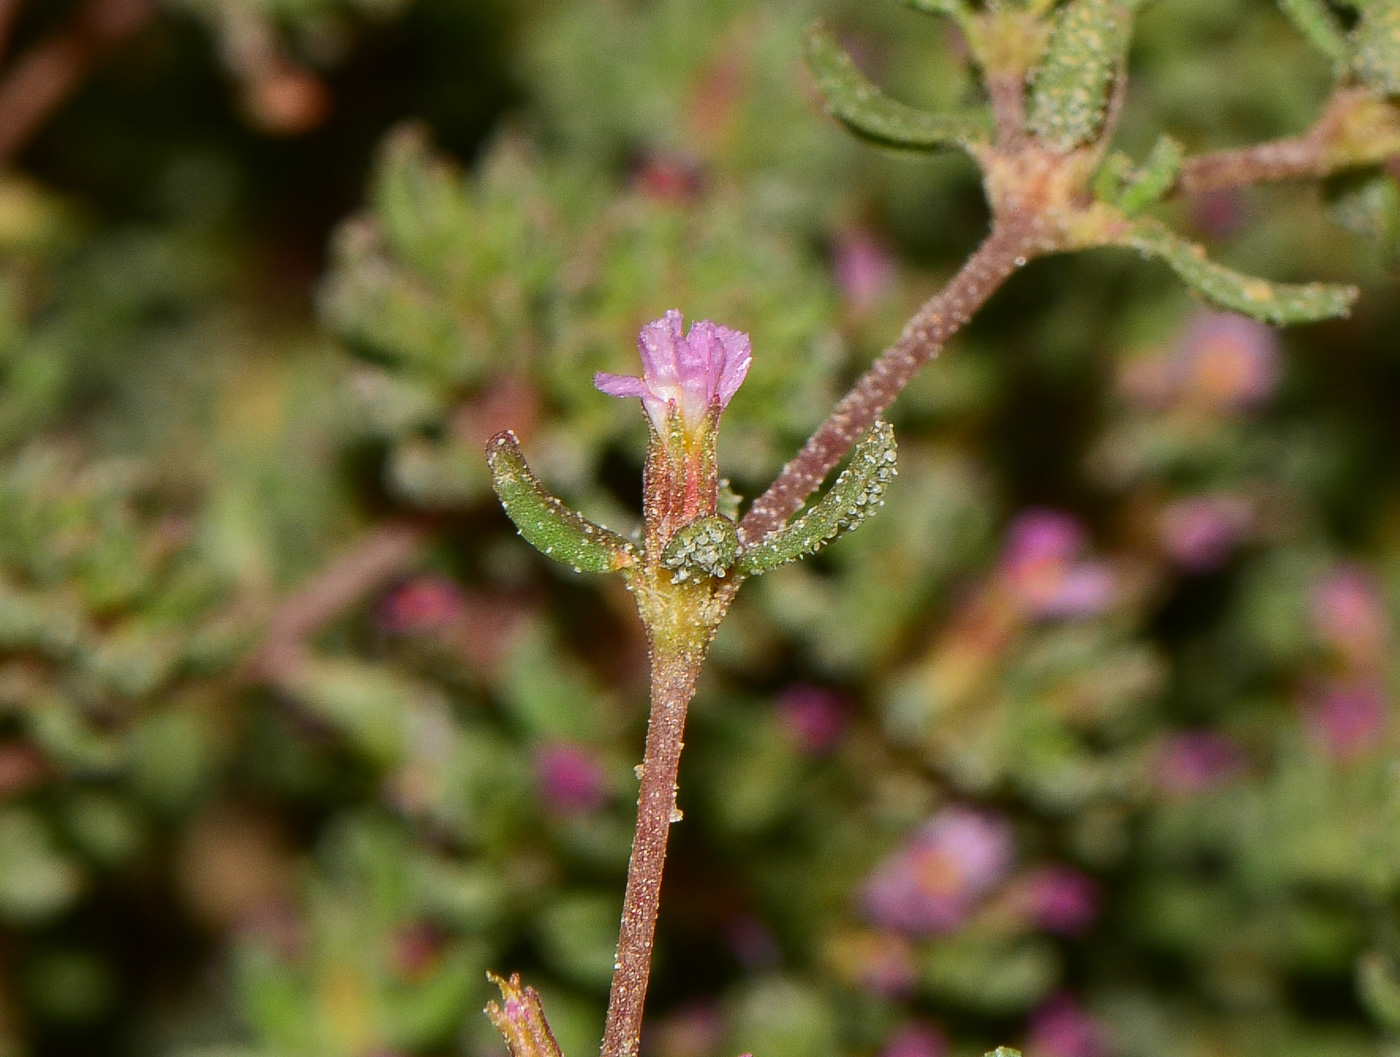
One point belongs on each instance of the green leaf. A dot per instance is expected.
(1070, 88)
(1316, 22)
(1376, 45)
(546, 523)
(857, 493)
(1260, 299)
(1154, 179)
(871, 114)
(705, 547)
(954, 9)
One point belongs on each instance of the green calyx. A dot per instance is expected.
(1071, 87)
(874, 116)
(545, 522)
(1277, 303)
(857, 493)
(704, 547)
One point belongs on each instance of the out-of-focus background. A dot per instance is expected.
(1087, 743)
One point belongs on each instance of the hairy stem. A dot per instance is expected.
(46, 75)
(673, 675)
(1014, 239)
(1355, 129)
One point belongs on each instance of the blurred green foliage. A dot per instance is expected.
(1086, 742)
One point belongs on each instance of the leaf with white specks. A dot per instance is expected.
(1268, 302)
(858, 493)
(871, 114)
(545, 522)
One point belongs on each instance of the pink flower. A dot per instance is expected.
(691, 373)
(1349, 613)
(428, 603)
(936, 880)
(813, 716)
(1041, 566)
(1196, 761)
(916, 1038)
(864, 267)
(569, 778)
(1348, 718)
(1062, 1028)
(1062, 900)
(1227, 361)
(1200, 533)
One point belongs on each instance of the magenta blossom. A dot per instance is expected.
(1062, 900)
(813, 716)
(1348, 718)
(1200, 533)
(1349, 613)
(570, 780)
(916, 1038)
(936, 880)
(690, 372)
(1197, 761)
(1063, 1028)
(1042, 568)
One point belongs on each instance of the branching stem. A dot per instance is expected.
(1013, 240)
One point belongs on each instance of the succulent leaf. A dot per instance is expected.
(1154, 179)
(1278, 303)
(545, 522)
(1320, 26)
(857, 493)
(703, 547)
(1375, 44)
(871, 114)
(1070, 88)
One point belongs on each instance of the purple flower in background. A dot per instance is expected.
(864, 268)
(1062, 900)
(691, 372)
(1349, 613)
(1227, 361)
(1040, 565)
(1062, 1028)
(1196, 761)
(428, 603)
(813, 716)
(1202, 532)
(916, 1038)
(937, 879)
(1347, 719)
(569, 779)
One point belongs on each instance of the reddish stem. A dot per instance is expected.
(1309, 156)
(673, 676)
(1014, 239)
(51, 71)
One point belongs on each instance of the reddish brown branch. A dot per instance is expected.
(672, 686)
(366, 566)
(1356, 128)
(9, 10)
(48, 73)
(1012, 241)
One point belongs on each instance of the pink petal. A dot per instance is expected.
(619, 384)
(659, 343)
(738, 355)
